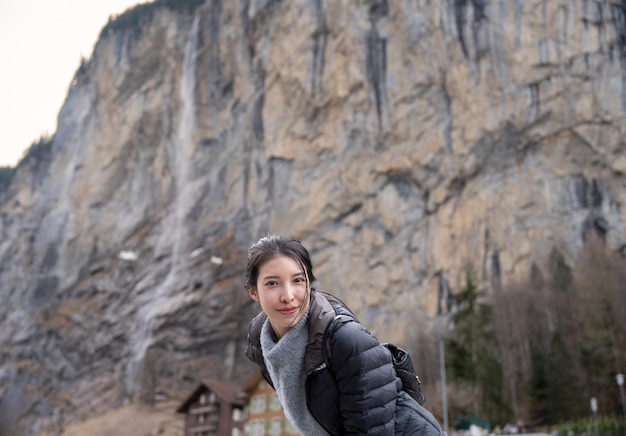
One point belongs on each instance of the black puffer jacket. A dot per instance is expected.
(359, 394)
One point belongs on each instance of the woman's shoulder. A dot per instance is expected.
(347, 335)
(339, 307)
(255, 326)
(253, 348)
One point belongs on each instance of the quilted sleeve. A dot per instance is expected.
(365, 379)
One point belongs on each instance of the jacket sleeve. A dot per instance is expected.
(365, 379)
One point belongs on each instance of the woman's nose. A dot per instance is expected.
(287, 294)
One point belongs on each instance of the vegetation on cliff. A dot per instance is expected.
(131, 18)
(6, 175)
(38, 151)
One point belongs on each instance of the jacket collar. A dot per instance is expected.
(321, 314)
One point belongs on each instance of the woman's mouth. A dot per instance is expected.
(288, 311)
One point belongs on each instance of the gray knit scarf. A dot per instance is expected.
(285, 361)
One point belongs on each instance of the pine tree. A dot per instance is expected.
(564, 399)
(473, 353)
(537, 389)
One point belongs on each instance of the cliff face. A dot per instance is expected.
(397, 140)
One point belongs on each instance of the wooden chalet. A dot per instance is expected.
(265, 415)
(215, 408)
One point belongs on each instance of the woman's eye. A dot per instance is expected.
(299, 280)
(271, 283)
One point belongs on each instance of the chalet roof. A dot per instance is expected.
(227, 392)
(252, 382)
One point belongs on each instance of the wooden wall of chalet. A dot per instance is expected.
(209, 416)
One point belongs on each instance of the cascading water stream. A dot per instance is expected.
(158, 300)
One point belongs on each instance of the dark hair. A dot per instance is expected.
(269, 247)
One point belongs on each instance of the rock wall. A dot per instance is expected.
(398, 140)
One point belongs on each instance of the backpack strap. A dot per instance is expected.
(330, 331)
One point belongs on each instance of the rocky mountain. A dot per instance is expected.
(399, 140)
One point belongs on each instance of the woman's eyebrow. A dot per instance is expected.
(271, 277)
(276, 276)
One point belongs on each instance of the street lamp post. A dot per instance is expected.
(442, 327)
(444, 389)
(620, 382)
(594, 410)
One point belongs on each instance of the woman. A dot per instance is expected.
(357, 392)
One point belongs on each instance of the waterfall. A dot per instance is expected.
(160, 299)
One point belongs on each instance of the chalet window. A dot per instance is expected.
(275, 403)
(236, 432)
(237, 415)
(277, 425)
(212, 398)
(255, 428)
(257, 404)
(202, 399)
(201, 418)
(265, 428)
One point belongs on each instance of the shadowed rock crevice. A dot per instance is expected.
(258, 103)
(376, 71)
(619, 22)
(320, 39)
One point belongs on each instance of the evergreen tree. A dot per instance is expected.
(473, 358)
(563, 397)
(537, 390)
(554, 392)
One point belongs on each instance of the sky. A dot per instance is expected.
(41, 46)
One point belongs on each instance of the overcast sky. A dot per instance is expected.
(41, 44)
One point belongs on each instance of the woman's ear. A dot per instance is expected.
(253, 293)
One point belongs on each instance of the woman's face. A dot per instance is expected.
(282, 291)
